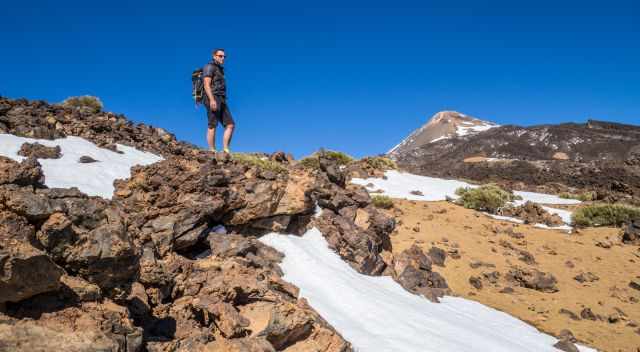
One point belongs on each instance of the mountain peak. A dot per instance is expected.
(443, 125)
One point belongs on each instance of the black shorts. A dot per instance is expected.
(221, 115)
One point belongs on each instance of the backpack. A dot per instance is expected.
(197, 86)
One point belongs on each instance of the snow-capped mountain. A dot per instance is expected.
(443, 125)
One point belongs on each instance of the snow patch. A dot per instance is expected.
(377, 314)
(94, 179)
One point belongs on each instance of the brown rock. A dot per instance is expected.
(39, 151)
(26, 271)
(437, 256)
(533, 279)
(26, 173)
(631, 234)
(567, 346)
(413, 271)
(247, 344)
(475, 282)
(569, 313)
(586, 277)
(586, 313)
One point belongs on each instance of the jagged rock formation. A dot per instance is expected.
(37, 119)
(597, 156)
(173, 261)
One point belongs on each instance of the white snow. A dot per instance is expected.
(543, 198)
(400, 184)
(505, 218)
(377, 315)
(465, 130)
(95, 179)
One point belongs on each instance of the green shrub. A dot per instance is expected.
(383, 202)
(261, 162)
(381, 163)
(584, 197)
(489, 197)
(604, 215)
(313, 162)
(340, 157)
(89, 102)
(310, 162)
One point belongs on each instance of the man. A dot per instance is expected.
(215, 101)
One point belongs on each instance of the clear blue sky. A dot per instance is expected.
(355, 76)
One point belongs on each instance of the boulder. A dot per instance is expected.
(39, 151)
(413, 271)
(533, 279)
(26, 173)
(26, 270)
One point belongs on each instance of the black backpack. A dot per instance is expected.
(197, 86)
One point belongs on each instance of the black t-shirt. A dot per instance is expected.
(218, 83)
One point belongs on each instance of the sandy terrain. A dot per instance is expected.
(485, 245)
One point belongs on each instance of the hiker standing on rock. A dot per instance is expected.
(215, 100)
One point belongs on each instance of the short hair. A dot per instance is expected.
(214, 51)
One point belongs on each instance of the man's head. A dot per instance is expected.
(218, 56)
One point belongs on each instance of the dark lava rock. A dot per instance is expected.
(476, 282)
(413, 272)
(566, 345)
(437, 255)
(85, 159)
(534, 279)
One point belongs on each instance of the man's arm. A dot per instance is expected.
(207, 88)
(208, 76)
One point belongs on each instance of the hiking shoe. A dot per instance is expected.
(213, 150)
(226, 150)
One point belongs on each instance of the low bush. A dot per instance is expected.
(383, 202)
(261, 162)
(313, 162)
(340, 157)
(88, 102)
(605, 215)
(584, 197)
(489, 197)
(381, 163)
(310, 162)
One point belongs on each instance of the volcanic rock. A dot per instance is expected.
(532, 213)
(39, 151)
(533, 279)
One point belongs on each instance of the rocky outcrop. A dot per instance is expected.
(150, 269)
(26, 173)
(37, 119)
(532, 213)
(40, 151)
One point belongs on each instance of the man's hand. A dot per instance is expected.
(212, 105)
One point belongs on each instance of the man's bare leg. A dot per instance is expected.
(228, 134)
(211, 138)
